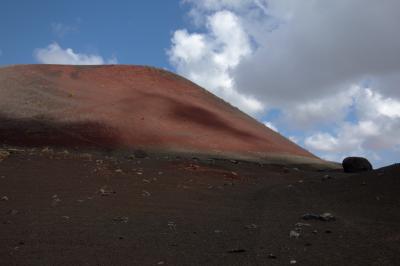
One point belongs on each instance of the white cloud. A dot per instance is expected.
(270, 125)
(54, 54)
(317, 47)
(323, 111)
(376, 128)
(294, 139)
(208, 58)
(306, 59)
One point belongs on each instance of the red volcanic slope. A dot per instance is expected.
(120, 106)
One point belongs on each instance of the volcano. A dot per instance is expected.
(130, 165)
(129, 107)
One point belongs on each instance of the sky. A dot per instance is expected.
(325, 74)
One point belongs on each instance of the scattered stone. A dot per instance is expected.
(271, 256)
(217, 231)
(239, 250)
(47, 150)
(293, 261)
(4, 198)
(301, 224)
(294, 234)
(121, 219)
(105, 191)
(328, 232)
(300, 181)
(55, 201)
(315, 232)
(356, 164)
(119, 171)
(234, 161)
(146, 193)
(251, 226)
(172, 225)
(4, 155)
(310, 216)
(145, 180)
(65, 217)
(296, 169)
(326, 217)
(160, 263)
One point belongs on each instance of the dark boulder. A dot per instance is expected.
(356, 164)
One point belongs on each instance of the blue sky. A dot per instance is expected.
(324, 74)
(136, 32)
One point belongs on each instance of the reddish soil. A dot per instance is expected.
(127, 107)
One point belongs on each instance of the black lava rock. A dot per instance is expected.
(356, 164)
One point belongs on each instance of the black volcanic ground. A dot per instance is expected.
(66, 207)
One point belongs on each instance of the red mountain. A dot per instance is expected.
(128, 107)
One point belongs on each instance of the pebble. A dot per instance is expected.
(146, 193)
(251, 226)
(105, 191)
(121, 219)
(293, 261)
(4, 154)
(294, 234)
(326, 217)
(4, 198)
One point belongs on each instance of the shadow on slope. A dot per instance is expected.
(44, 132)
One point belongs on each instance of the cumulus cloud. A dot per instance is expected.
(375, 130)
(54, 54)
(317, 47)
(207, 59)
(331, 67)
